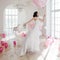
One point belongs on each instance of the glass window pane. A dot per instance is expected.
(11, 20)
(6, 17)
(13, 12)
(57, 34)
(9, 12)
(57, 20)
(6, 11)
(16, 11)
(56, 1)
(52, 17)
(9, 17)
(52, 33)
(52, 5)
(57, 27)
(57, 14)
(57, 5)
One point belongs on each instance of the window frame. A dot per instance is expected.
(8, 37)
(54, 11)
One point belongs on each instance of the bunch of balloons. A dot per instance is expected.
(40, 3)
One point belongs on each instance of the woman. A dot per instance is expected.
(32, 43)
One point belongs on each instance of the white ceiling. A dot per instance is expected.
(24, 1)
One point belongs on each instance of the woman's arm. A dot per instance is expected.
(43, 18)
(27, 22)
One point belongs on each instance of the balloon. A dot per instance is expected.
(1, 49)
(2, 43)
(5, 44)
(40, 3)
(14, 43)
(3, 35)
(23, 34)
(49, 41)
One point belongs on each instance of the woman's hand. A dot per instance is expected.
(44, 16)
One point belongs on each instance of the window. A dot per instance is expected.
(55, 18)
(11, 20)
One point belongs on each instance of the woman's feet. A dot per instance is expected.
(31, 53)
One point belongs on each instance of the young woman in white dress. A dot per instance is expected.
(32, 42)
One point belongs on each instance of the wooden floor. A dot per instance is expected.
(52, 55)
(11, 55)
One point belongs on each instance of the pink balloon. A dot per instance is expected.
(1, 49)
(14, 43)
(49, 41)
(40, 3)
(5, 44)
(2, 43)
(23, 34)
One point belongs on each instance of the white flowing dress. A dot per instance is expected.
(32, 42)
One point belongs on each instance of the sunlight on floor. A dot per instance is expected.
(52, 54)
